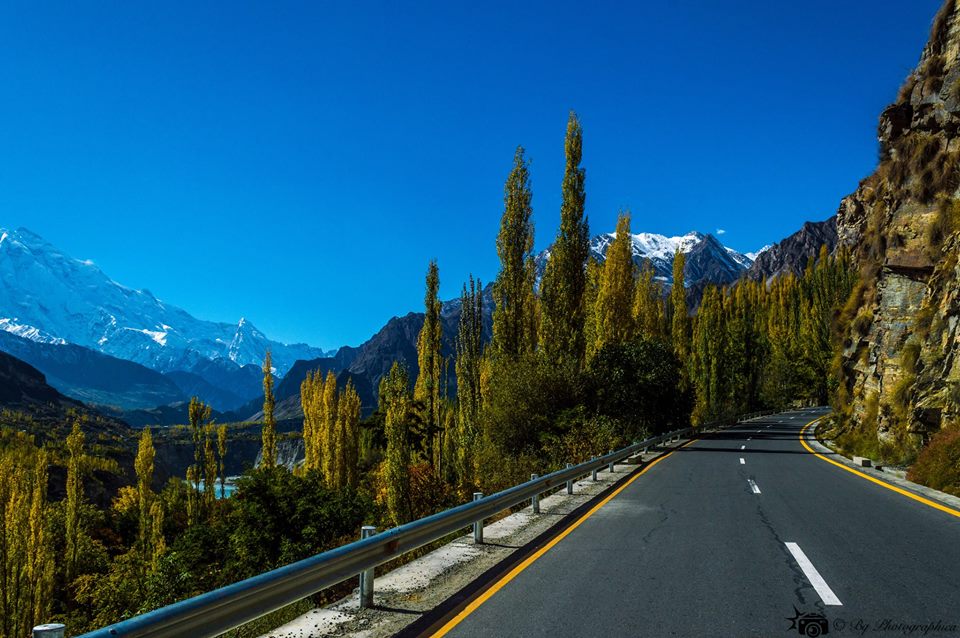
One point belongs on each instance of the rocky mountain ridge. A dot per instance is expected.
(791, 255)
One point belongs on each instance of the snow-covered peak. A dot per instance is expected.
(12, 325)
(50, 296)
(707, 259)
(753, 256)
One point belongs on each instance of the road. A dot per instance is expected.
(733, 535)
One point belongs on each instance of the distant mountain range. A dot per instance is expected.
(48, 296)
(707, 260)
(103, 343)
(141, 359)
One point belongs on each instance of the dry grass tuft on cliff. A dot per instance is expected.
(938, 465)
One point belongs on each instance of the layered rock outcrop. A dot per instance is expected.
(899, 371)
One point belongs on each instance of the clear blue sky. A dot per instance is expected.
(299, 164)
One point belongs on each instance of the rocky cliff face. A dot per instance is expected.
(899, 370)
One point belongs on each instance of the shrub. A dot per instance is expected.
(862, 322)
(938, 465)
(639, 385)
(526, 396)
(279, 518)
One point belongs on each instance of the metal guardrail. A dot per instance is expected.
(229, 607)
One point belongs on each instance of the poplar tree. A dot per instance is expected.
(269, 435)
(145, 498)
(39, 558)
(75, 445)
(26, 557)
(348, 420)
(426, 391)
(594, 273)
(222, 458)
(514, 314)
(329, 428)
(311, 400)
(199, 416)
(707, 357)
(468, 363)
(649, 314)
(562, 289)
(614, 307)
(157, 542)
(209, 469)
(395, 403)
(680, 319)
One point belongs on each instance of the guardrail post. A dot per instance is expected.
(366, 577)
(594, 475)
(610, 467)
(478, 525)
(569, 481)
(535, 499)
(50, 630)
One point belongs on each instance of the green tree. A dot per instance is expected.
(649, 314)
(680, 318)
(468, 369)
(199, 416)
(514, 314)
(348, 423)
(75, 447)
(614, 309)
(269, 434)
(329, 428)
(26, 557)
(638, 385)
(395, 403)
(145, 499)
(427, 390)
(564, 281)
(222, 457)
(209, 468)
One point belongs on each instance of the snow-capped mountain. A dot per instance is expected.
(708, 261)
(48, 296)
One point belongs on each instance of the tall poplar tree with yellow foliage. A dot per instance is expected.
(269, 434)
(26, 553)
(614, 306)
(427, 389)
(395, 404)
(563, 310)
(515, 309)
(679, 316)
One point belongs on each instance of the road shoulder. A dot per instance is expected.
(922, 491)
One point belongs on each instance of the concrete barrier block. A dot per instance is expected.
(862, 461)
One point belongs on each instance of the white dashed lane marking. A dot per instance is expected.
(826, 594)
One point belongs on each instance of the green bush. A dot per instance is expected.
(526, 397)
(638, 385)
(279, 518)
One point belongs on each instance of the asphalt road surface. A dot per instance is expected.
(738, 534)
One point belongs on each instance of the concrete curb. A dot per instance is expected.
(886, 476)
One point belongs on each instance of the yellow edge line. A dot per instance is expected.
(894, 488)
(482, 598)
